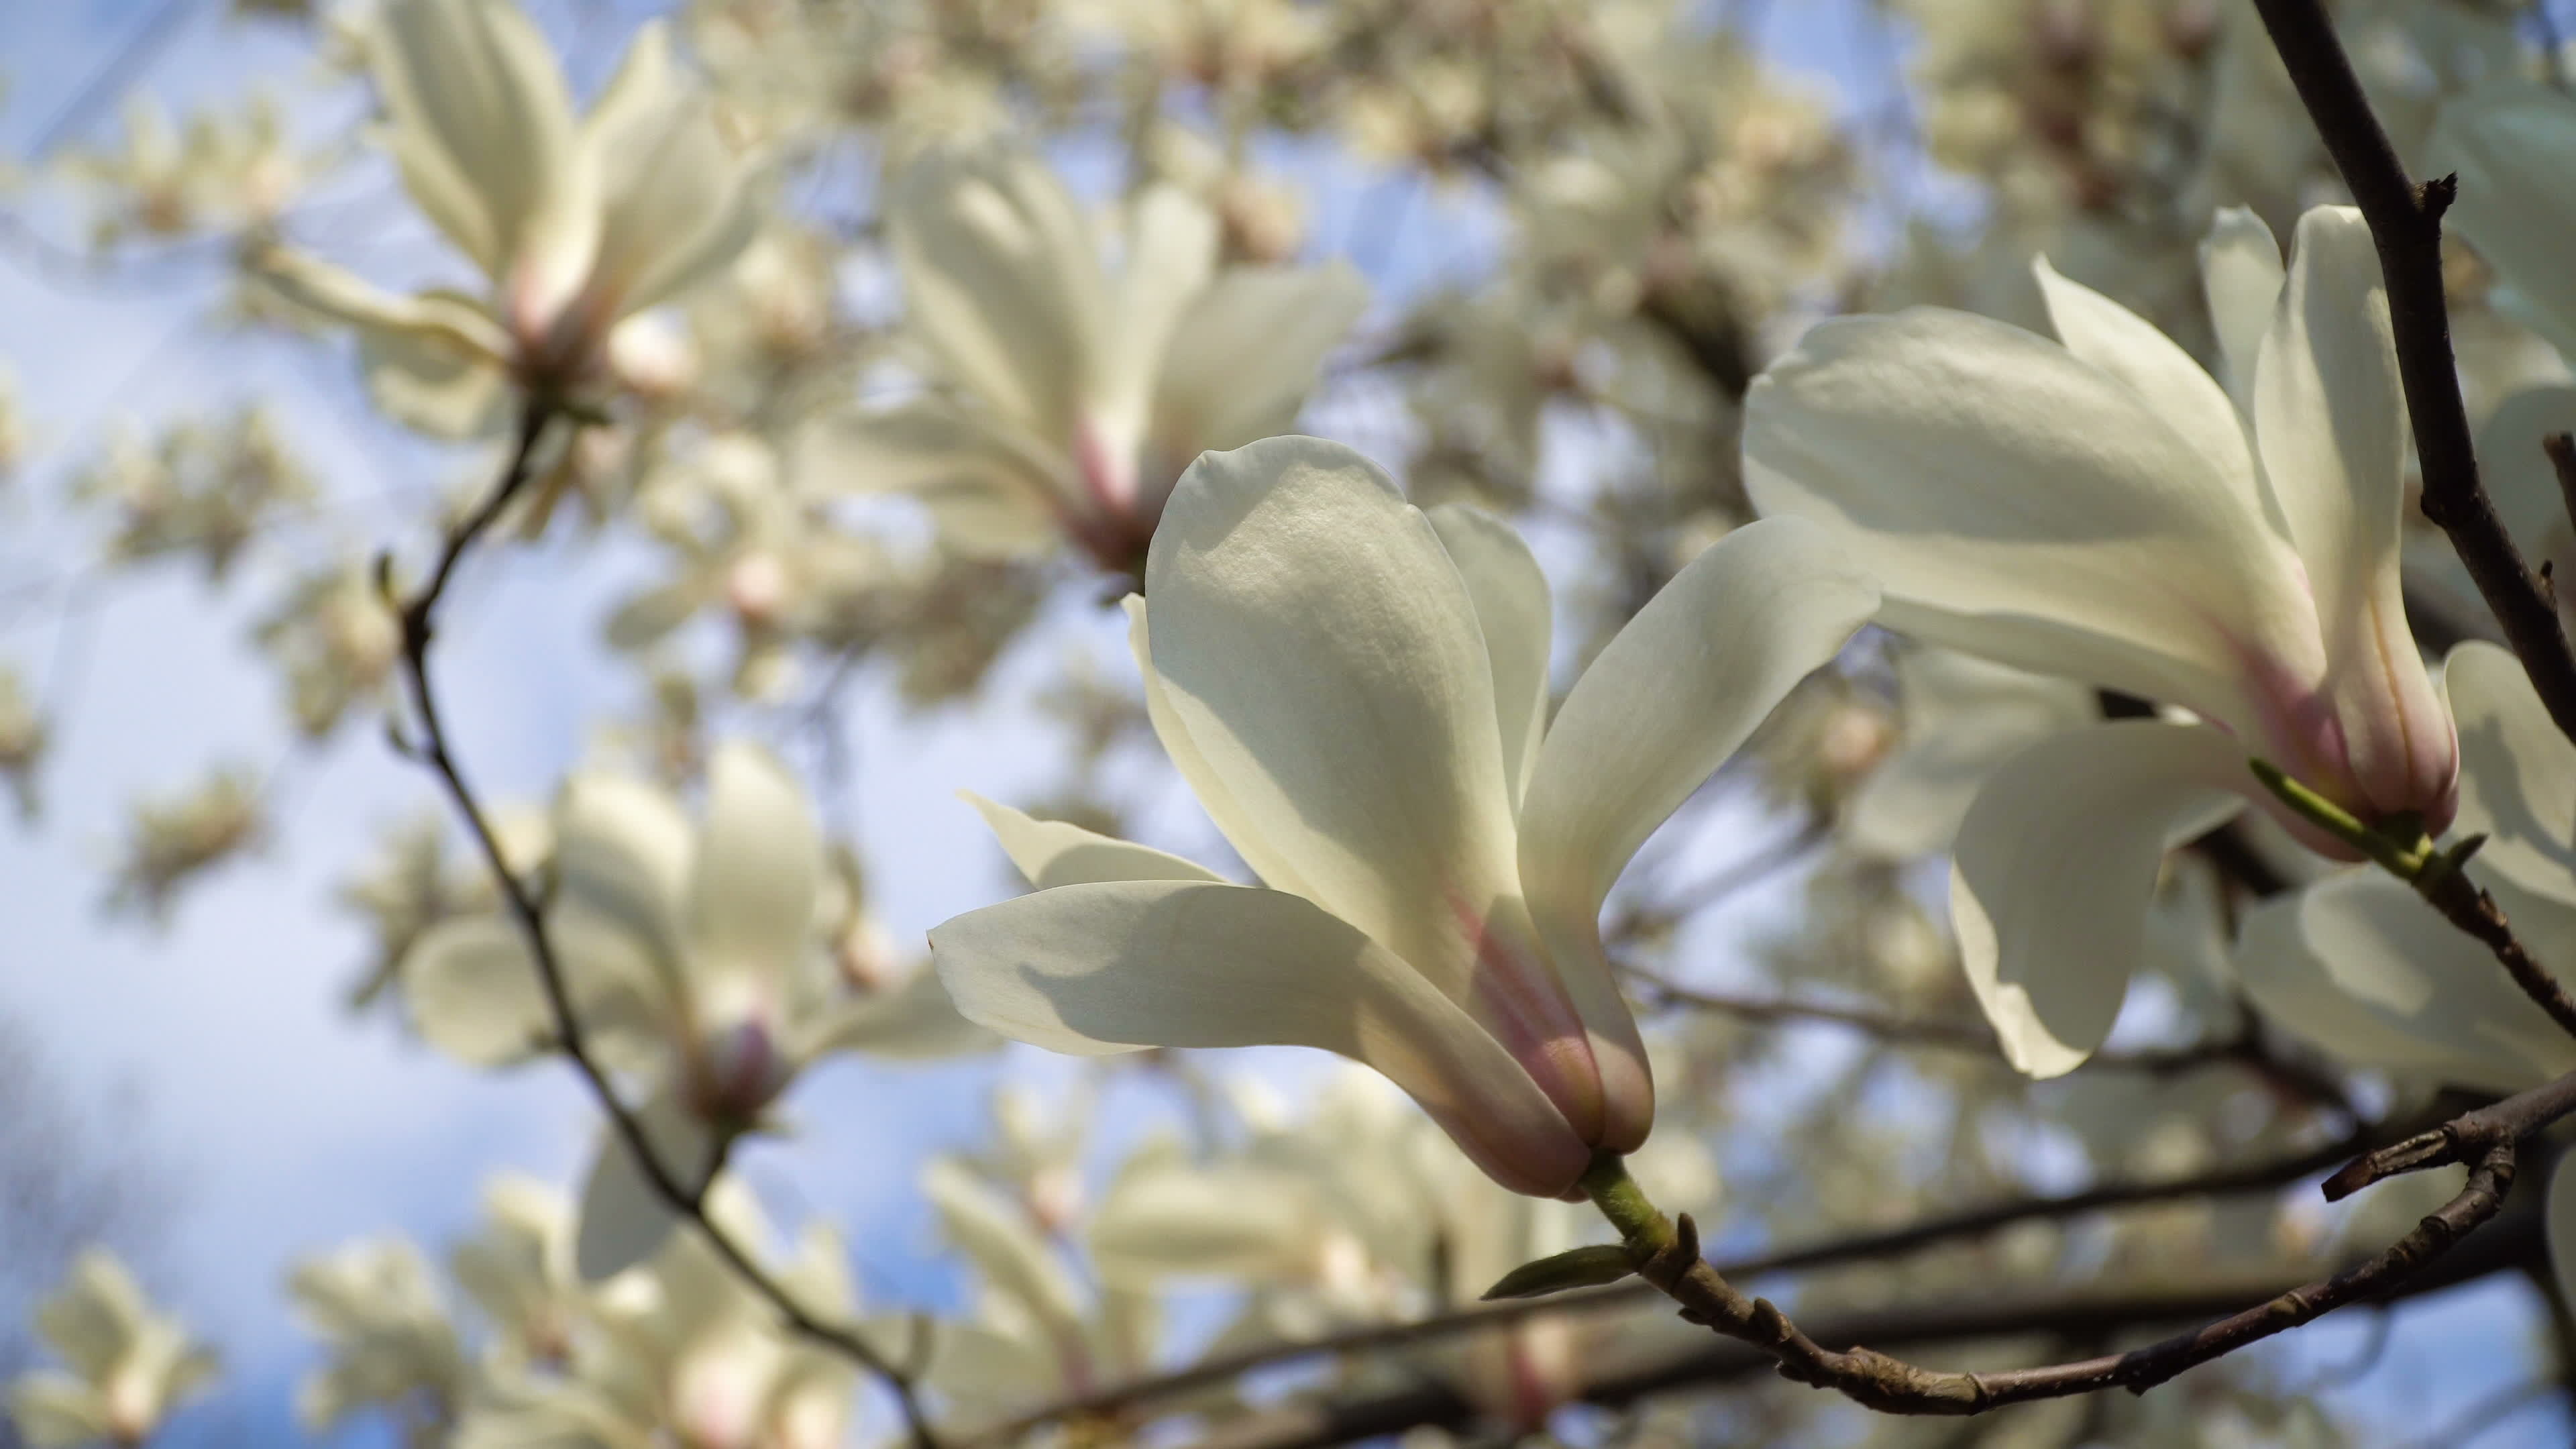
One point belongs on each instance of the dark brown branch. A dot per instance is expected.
(419, 627)
(2464, 1138)
(1315, 1424)
(1667, 1255)
(1928, 1232)
(2406, 226)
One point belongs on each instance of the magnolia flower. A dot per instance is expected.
(391, 1344)
(2512, 143)
(1357, 692)
(1072, 401)
(518, 1270)
(574, 222)
(688, 955)
(2361, 968)
(129, 1363)
(2106, 511)
(1035, 1334)
(1964, 718)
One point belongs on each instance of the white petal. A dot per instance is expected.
(622, 862)
(2517, 772)
(1515, 610)
(1213, 794)
(2511, 141)
(1001, 281)
(433, 318)
(994, 491)
(1324, 657)
(2359, 967)
(1055, 853)
(1122, 965)
(430, 382)
(1669, 699)
(996, 1235)
(1240, 364)
(471, 988)
(2330, 418)
(483, 131)
(677, 206)
(1171, 254)
(2055, 866)
(1963, 718)
(914, 1021)
(623, 1219)
(2174, 388)
(2018, 503)
(2240, 278)
(759, 867)
(1174, 1219)
(56, 1411)
(2518, 474)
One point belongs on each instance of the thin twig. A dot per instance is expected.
(419, 622)
(2463, 1138)
(2406, 227)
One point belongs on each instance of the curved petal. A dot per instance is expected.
(911, 1022)
(430, 382)
(1516, 612)
(2174, 387)
(56, 1411)
(2329, 414)
(2511, 141)
(1214, 797)
(676, 206)
(482, 129)
(1668, 700)
(2019, 503)
(1053, 853)
(1324, 657)
(436, 319)
(1243, 359)
(1171, 253)
(1015, 1260)
(2518, 474)
(759, 867)
(622, 1218)
(1176, 1219)
(93, 1322)
(622, 860)
(1122, 965)
(2517, 772)
(2055, 866)
(2362, 969)
(1964, 718)
(1001, 281)
(470, 987)
(2240, 278)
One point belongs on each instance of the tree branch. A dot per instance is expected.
(419, 628)
(2469, 1136)
(2406, 225)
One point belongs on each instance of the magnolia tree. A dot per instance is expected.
(2058, 502)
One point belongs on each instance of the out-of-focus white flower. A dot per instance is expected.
(685, 952)
(1964, 717)
(1035, 1334)
(2513, 144)
(390, 1343)
(1356, 692)
(129, 1364)
(518, 1270)
(576, 223)
(2106, 511)
(1071, 400)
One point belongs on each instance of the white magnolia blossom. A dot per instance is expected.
(518, 1270)
(2361, 968)
(575, 222)
(2513, 145)
(1357, 693)
(1964, 717)
(391, 1344)
(1034, 1334)
(1072, 399)
(691, 954)
(128, 1363)
(2106, 511)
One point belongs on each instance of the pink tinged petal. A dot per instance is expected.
(1118, 966)
(2517, 773)
(2240, 277)
(623, 1219)
(1314, 641)
(1515, 611)
(2330, 418)
(1052, 853)
(2020, 503)
(2056, 864)
(2359, 967)
(1670, 698)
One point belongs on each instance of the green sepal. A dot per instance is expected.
(1586, 1267)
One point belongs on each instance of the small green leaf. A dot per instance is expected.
(1588, 1267)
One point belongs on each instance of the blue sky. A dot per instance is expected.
(283, 1125)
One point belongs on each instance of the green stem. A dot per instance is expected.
(1643, 1228)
